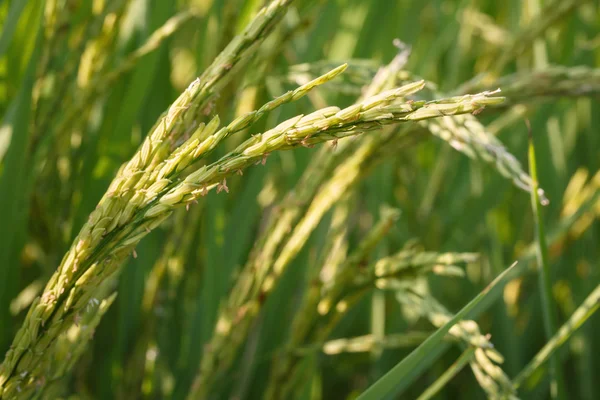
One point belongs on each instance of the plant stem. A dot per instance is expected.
(545, 283)
(589, 306)
(450, 373)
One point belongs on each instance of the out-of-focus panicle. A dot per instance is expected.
(535, 86)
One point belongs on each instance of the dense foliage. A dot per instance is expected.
(299, 199)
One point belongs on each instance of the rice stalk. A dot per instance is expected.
(284, 367)
(558, 239)
(69, 349)
(276, 235)
(344, 176)
(523, 87)
(323, 125)
(92, 91)
(331, 296)
(409, 368)
(587, 308)
(468, 136)
(365, 343)
(359, 74)
(75, 55)
(450, 373)
(180, 162)
(545, 280)
(484, 364)
(89, 49)
(96, 256)
(535, 86)
(142, 196)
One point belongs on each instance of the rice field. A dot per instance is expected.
(299, 199)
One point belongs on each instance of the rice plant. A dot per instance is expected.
(299, 199)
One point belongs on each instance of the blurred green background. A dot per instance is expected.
(68, 125)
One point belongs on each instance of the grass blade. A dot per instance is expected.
(10, 23)
(15, 187)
